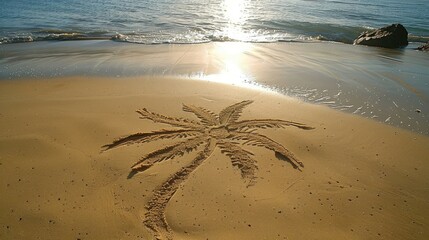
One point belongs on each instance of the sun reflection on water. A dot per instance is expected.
(231, 53)
(231, 66)
(234, 10)
(235, 13)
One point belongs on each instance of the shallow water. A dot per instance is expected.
(390, 86)
(190, 21)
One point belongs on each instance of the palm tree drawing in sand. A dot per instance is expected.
(222, 130)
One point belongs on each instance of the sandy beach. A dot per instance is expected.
(361, 179)
(220, 119)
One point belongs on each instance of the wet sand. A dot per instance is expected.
(361, 179)
(387, 85)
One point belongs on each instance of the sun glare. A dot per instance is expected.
(230, 53)
(236, 16)
(231, 66)
(234, 10)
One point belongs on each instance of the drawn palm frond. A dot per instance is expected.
(207, 117)
(241, 159)
(265, 123)
(212, 130)
(151, 136)
(256, 139)
(232, 113)
(177, 122)
(167, 153)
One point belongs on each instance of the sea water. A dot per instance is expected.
(191, 21)
(388, 85)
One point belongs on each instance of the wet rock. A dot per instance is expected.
(392, 36)
(424, 47)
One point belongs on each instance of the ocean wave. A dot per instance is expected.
(420, 39)
(297, 32)
(51, 37)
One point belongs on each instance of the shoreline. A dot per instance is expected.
(412, 45)
(345, 37)
(388, 85)
(361, 179)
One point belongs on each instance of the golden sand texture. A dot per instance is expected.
(362, 179)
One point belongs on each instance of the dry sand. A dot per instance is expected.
(361, 179)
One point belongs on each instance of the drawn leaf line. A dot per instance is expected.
(206, 116)
(178, 122)
(256, 139)
(167, 153)
(151, 136)
(266, 123)
(232, 113)
(241, 159)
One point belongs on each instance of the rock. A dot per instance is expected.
(392, 36)
(424, 47)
